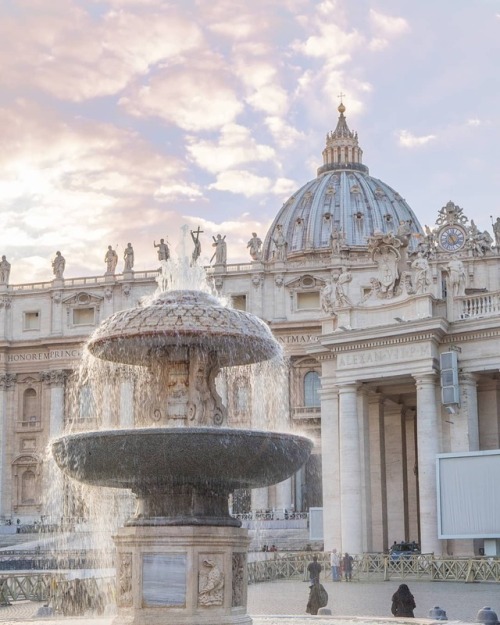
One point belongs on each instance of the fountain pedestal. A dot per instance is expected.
(180, 575)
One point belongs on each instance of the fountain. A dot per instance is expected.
(181, 558)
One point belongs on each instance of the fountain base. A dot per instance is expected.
(182, 575)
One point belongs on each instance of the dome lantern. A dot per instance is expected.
(342, 150)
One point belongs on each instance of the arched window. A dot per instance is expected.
(311, 388)
(30, 409)
(28, 487)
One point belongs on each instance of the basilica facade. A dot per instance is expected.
(392, 333)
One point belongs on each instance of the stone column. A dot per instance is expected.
(377, 473)
(284, 495)
(365, 460)
(465, 426)
(428, 440)
(126, 418)
(7, 386)
(279, 297)
(394, 464)
(56, 380)
(350, 469)
(57, 312)
(330, 460)
(5, 317)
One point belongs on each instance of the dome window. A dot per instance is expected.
(355, 189)
(388, 218)
(358, 216)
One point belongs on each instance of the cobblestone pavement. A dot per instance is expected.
(461, 601)
(371, 599)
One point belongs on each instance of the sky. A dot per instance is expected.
(123, 120)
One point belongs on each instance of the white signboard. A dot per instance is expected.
(468, 489)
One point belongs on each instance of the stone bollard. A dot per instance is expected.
(487, 616)
(438, 614)
(324, 612)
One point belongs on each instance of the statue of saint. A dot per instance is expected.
(111, 260)
(254, 246)
(4, 270)
(220, 253)
(58, 265)
(128, 257)
(456, 276)
(279, 244)
(163, 251)
(195, 235)
(422, 273)
(496, 232)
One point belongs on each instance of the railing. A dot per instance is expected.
(484, 304)
(275, 514)
(306, 412)
(85, 281)
(380, 566)
(25, 588)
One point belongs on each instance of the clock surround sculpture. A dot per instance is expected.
(182, 558)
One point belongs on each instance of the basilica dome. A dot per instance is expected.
(343, 202)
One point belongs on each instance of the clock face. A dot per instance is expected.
(452, 238)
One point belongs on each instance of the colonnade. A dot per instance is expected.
(379, 461)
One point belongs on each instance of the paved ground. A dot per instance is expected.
(461, 601)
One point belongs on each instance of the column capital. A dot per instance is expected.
(426, 379)
(349, 387)
(468, 378)
(7, 380)
(55, 377)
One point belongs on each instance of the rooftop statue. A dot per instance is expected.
(280, 244)
(128, 257)
(58, 265)
(254, 246)
(111, 260)
(4, 270)
(195, 235)
(220, 253)
(163, 251)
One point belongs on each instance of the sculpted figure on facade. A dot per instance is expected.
(336, 241)
(456, 277)
(211, 584)
(163, 250)
(479, 242)
(254, 246)
(195, 236)
(387, 258)
(111, 260)
(327, 299)
(280, 244)
(128, 257)
(4, 270)
(341, 285)
(58, 265)
(220, 253)
(162, 277)
(422, 277)
(496, 232)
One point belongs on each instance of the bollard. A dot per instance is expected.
(324, 611)
(487, 615)
(438, 614)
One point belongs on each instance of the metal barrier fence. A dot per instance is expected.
(381, 567)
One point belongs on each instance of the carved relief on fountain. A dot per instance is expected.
(124, 598)
(239, 561)
(210, 581)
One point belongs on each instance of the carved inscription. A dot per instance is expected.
(383, 356)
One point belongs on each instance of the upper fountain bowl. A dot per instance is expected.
(179, 319)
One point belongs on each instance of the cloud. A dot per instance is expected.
(242, 182)
(408, 140)
(388, 25)
(474, 122)
(196, 97)
(70, 53)
(234, 147)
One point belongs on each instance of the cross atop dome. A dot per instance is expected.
(342, 150)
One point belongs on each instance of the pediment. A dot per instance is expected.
(83, 299)
(306, 282)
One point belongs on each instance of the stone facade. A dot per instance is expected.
(364, 322)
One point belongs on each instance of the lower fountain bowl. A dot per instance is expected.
(147, 459)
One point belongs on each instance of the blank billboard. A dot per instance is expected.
(468, 488)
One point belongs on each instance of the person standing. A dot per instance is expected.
(314, 569)
(335, 564)
(403, 602)
(347, 566)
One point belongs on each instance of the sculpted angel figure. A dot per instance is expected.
(254, 246)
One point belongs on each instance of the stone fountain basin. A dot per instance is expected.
(153, 458)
